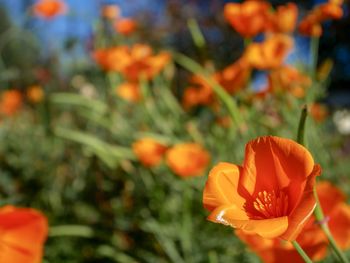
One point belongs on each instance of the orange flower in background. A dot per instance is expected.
(149, 151)
(110, 11)
(270, 53)
(249, 18)
(285, 18)
(288, 78)
(234, 77)
(132, 62)
(49, 9)
(311, 24)
(35, 94)
(129, 92)
(271, 194)
(311, 239)
(11, 102)
(187, 159)
(318, 112)
(125, 26)
(23, 233)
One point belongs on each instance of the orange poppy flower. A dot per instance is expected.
(149, 151)
(249, 18)
(311, 24)
(288, 78)
(187, 159)
(110, 11)
(35, 94)
(285, 18)
(132, 62)
(311, 239)
(23, 233)
(125, 26)
(11, 102)
(129, 91)
(49, 9)
(318, 112)
(270, 53)
(270, 194)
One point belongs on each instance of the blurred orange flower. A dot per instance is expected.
(288, 78)
(311, 24)
(11, 102)
(132, 62)
(149, 151)
(284, 19)
(110, 11)
(270, 53)
(187, 159)
(129, 91)
(270, 194)
(35, 93)
(23, 233)
(49, 9)
(318, 112)
(125, 26)
(249, 18)
(311, 239)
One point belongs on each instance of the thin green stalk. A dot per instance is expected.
(186, 232)
(314, 56)
(301, 126)
(71, 230)
(301, 252)
(318, 210)
(324, 226)
(227, 100)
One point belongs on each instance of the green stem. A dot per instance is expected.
(301, 126)
(314, 56)
(324, 226)
(71, 230)
(301, 252)
(227, 100)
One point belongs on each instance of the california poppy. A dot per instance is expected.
(311, 24)
(110, 11)
(49, 8)
(270, 53)
(149, 151)
(11, 102)
(187, 159)
(271, 194)
(125, 26)
(311, 239)
(318, 112)
(249, 18)
(284, 19)
(35, 94)
(23, 233)
(129, 91)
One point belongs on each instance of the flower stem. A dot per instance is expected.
(301, 126)
(301, 252)
(324, 226)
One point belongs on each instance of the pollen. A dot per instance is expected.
(270, 205)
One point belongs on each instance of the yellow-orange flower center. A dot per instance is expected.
(269, 205)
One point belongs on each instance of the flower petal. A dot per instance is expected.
(298, 217)
(237, 218)
(273, 163)
(222, 187)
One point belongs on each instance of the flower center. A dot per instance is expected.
(269, 205)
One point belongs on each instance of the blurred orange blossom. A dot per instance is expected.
(129, 91)
(149, 151)
(187, 159)
(125, 26)
(35, 93)
(23, 233)
(248, 18)
(311, 239)
(49, 9)
(110, 11)
(10, 102)
(271, 194)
